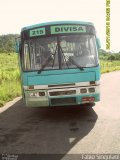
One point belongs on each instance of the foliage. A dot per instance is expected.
(108, 66)
(109, 56)
(7, 43)
(9, 77)
(109, 61)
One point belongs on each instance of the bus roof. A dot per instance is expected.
(55, 23)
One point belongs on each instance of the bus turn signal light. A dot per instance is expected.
(92, 83)
(41, 93)
(30, 87)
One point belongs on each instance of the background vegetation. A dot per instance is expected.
(109, 61)
(9, 71)
(9, 77)
(7, 43)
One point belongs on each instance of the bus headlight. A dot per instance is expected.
(41, 94)
(37, 94)
(34, 94)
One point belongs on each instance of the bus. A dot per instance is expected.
(59, 64)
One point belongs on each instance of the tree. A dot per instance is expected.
(7, 43)
(111, 57)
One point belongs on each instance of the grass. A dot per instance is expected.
(109, 66)
(10, 77)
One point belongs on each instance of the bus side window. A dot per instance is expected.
(26, 57)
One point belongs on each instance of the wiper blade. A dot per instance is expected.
(74, 62)
(48, 60)
(42, 68)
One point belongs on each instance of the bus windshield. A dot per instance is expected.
(60, 52)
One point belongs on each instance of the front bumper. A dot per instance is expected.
(60, 100)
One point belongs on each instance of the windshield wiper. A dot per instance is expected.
(77, 65)
(42, 68)
(48, 60)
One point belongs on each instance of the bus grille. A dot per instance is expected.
(60, 93)
(59, 101)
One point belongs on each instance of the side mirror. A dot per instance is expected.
(98, 43)
(17, 45)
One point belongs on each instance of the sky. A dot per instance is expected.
(16, 14)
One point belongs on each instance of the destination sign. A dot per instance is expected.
(37, 32)
(67, 29)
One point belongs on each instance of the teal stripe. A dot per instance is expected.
(61, 76)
